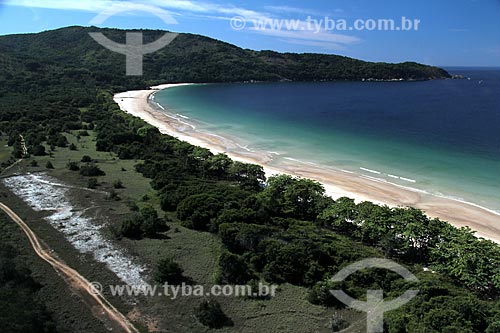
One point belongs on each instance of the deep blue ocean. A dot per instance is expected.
(442, 136)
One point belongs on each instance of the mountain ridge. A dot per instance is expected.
(190, 58)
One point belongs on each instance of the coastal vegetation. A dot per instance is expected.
(20, 308)
(282, 230)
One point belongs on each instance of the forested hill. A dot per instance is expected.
(189, 58)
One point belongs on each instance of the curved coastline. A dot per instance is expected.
(337, 182)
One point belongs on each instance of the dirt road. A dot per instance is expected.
(99, 305)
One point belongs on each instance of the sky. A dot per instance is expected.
(450, 32)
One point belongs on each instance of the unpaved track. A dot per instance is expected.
(95, 299)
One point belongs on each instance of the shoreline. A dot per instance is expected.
(337, 183)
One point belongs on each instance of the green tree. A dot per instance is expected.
(472, 261)
(151, 224)
(86, 159)
(168, 271)
(145, 223)
(295, 197)
(198, 210)
(38, 150)
(233, 269)
(248, 175)
(218, 164)
(91, 170)
(375, 223)
(340, 215)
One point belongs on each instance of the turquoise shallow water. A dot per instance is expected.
(441, 137)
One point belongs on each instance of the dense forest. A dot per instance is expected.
(277, 230)
(72, 53)
(20, 308)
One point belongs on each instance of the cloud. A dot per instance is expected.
(209, 10)
(320, 44)
(84, 5)
(304, 35)
(300, 11)
(293, 10)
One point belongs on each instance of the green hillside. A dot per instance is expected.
(189, 58)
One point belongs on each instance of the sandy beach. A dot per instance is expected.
(337, 183)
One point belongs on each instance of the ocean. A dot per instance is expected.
(439, 137)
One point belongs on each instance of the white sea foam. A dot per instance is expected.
(408, 180)
(182, 116)
(186, 123)
(392, 176)
(245, 148)
(371, 171)
(161, 107)
(222, 138)
(43, 193)
(347, 171)
(380, 180)
(311, 163)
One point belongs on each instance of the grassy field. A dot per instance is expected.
(196, 252)
(5, 151)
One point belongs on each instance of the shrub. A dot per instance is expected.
(233, 269)
(320, 294)
(38, 150)
(114, 196)
(131, 228)
(118, 184)
(145, 223)
(86, 159)
(92, 183)
(168, 271)
(151, 223)
(337, 323)
(198, 210)
(72, 146)
(73, 166)
(91, 170)
(210, 314)
(61, 141)
(49, 165)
